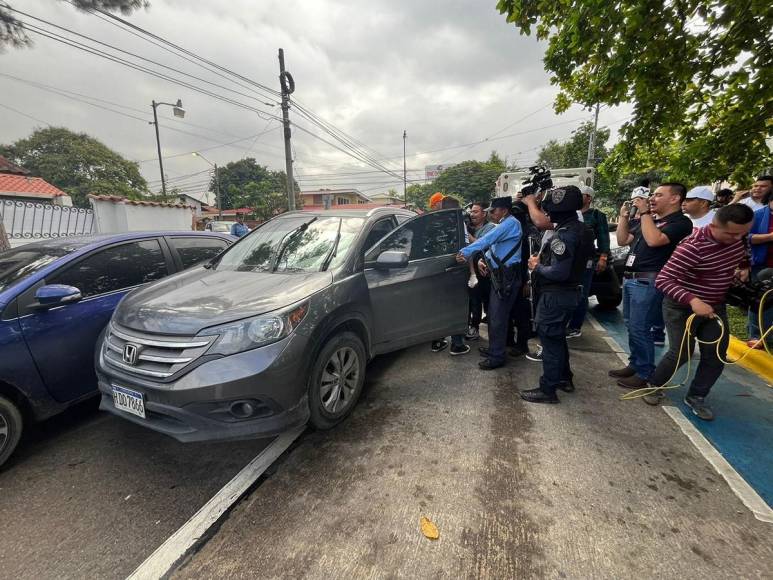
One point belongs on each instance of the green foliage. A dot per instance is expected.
(697, 72)
(470, 180)
(77, 164)
(235, 178)
(13, 33)
(418, 194)
(574, 152)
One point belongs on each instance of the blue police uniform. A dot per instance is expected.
(503, 257)
(239, 230)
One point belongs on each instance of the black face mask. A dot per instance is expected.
(558, 217)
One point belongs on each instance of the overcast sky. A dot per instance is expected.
(449, 74)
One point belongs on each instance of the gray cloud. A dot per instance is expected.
(449, 74)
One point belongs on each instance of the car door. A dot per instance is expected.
(428, 298)
(62, 339)
(189, 251)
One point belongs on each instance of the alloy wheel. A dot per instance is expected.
(338, 383)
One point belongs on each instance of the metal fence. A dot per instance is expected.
(25, 221)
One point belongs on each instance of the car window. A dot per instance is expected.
(115, 268)
(402, 218)
(17, 264)
(193, 251)
(381, 228)
(429, 235)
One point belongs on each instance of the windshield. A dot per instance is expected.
(297, 246)
(221, 226)
(21, 262)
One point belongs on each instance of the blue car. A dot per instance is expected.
(56, 297)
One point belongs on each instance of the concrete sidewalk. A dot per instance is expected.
(593, 487)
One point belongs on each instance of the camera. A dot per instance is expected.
(749, 294)
(538, 181)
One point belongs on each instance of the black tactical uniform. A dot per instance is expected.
(558, 280)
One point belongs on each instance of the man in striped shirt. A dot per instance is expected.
(695, 280)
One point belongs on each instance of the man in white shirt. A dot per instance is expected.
(697, 206)
(754, 198)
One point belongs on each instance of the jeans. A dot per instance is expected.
(640, 302)
(499, 320)
(706, 329)
(753, 325)
(554, 310)
(658, 325)
(582, 308)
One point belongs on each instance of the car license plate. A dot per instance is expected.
(129, 401)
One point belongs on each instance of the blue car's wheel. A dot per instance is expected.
(11, 424)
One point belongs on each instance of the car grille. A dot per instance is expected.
(154, 356)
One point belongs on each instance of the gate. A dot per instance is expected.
(24, 222)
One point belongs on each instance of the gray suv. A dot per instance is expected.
(277, 330)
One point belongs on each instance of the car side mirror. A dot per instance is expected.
(391, 259)
(53, 295)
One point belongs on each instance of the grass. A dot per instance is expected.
(737, 318)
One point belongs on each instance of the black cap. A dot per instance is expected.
(562, 199)
(503, 202)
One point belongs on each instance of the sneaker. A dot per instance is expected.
(536, 355)
(655, 398)
(438, 345)
(573, 333)
(699, 407)
(473, 281)
(457, 350)
(472, 333)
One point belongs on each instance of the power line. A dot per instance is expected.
(24, 114)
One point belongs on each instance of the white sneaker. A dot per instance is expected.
(473, 281)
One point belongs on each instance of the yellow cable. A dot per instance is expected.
(685, 342)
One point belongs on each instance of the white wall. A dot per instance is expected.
(115, 217)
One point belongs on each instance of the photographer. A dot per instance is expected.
(651, 243)
(695, 280)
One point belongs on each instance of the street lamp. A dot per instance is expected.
(217, 184)
(177, 109)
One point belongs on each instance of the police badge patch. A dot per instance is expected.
(557, 246)
(557, 196)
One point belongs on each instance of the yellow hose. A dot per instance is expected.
(685, 342)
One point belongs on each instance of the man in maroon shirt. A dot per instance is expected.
(695, 280)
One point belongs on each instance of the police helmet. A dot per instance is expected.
(562, 199)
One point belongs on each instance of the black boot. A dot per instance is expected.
(539, 396)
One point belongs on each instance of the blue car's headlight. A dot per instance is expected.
(254, 332)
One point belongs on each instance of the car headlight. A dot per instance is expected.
(254, 332)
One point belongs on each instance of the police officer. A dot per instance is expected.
(502, 259)
(557, 275)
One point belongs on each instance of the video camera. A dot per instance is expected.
(750, 294)
(538, 181)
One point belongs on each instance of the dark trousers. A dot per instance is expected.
(554, 310)
(479, 300)
(520, 330)
(578, 317)
(499, 321)
(709, 367)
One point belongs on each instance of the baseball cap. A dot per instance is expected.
(640, 191)
(587, 190)
(700, 192)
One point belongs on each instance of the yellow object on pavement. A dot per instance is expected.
(429, 529)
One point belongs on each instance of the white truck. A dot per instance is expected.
(510, 183)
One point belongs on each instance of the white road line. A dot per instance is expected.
(743, 490)
(174, 548)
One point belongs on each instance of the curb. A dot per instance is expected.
(757, 361)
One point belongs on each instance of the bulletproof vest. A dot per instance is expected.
(580, 255)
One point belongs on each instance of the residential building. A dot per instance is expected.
(332, 197)
(16, 184)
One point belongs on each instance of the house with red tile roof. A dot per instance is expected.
(16, 184)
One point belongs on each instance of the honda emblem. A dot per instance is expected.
(131, 353)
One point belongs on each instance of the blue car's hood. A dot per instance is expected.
(199, 298)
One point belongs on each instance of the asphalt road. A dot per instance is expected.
(88, 495)
(593, 487)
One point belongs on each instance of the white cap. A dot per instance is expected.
(587, 190)
(640, 191)
(700, 192)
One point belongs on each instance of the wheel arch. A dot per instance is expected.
(17, 397)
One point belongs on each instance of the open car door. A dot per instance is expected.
(418, 291)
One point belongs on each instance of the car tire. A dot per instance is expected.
(331, 395)
(11, 425)
(609, 302)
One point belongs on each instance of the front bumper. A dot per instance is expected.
(195, 406)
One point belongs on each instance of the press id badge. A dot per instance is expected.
(630, 260)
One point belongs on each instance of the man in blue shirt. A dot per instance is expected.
(239, 229)
(502, 257)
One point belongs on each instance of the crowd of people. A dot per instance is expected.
(532, 261)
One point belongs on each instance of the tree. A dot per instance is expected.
(696, 71)
(237, 175)
(574, 152)
(470, 180)
(77, 164)
(13, 32)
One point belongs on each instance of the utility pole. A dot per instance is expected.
(158, 146)
(217, 194)
(287, 84)
(591, 162)
(405, 173)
